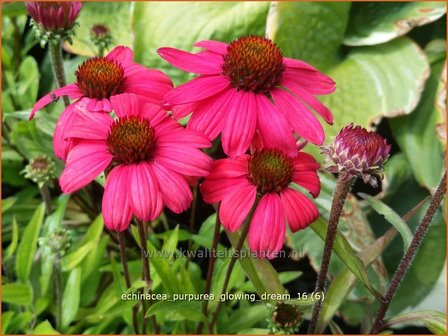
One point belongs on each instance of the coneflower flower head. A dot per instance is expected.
(40, 170)
(285, 318)
(101, 36)
(53, 20)
(358, 152)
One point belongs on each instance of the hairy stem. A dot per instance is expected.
(211, 266)
(127, 278)
(406, 261)
(45, 192)
(340, 195)
(58, 66)
(235, 256)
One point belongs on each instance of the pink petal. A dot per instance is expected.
(309, 180)
(314, 82)
(85, 161)
(209, 114)
(61, 145)
(70, 90)
(274, 130)
(125, 105)
(267, 229)
(215, 46)
(145, 197)
(175, 190)
(116, 207)
(216, 190)
(197, 89)
(304, 162)
(122, 55)
(229, 168)
(235, 206)
(240, 124)
(182, 137)
(195, 63)
(184, 160)
(293, 63)
(181, 111)
(300, 211)
(92, 126)
(300, 118)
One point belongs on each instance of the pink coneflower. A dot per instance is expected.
(245, 87)
(358, 152)
(147, 154)
(98, 80)
(269, 173)
(55, 15)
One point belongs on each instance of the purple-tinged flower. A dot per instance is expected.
(54, 16)
(358, 152)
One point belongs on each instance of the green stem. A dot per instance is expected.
(235, 257)
(45, 192)
(127, 278)
(406, 261)
(211, 266)
(58, 66)
(58, 290)
(343, 186)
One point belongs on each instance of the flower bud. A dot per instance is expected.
(101, 36)
(57, 241)
(358, 152)
(40, 170)
(285, 319)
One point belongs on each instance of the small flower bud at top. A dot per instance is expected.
(57, 241)
(358, 152)
(40, 170)
(101, 36)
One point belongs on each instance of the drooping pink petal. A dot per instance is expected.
(125, 105)
(197, 89)
(300, 118)
(228, 168)
(145, 197)
(70, 90)
(215, 46)
(273, 128)
(309, 180)
(195, 63)
(123, 55)
(216, 190)
(304, 162)
(235, 206)
(294, 63)
(184, 160)
(314, 82)
(85, 162)
(99, 105)
(300, 211)
(181, 111)
(209, 114)
(175, 191)
(61, 145)
(267, 228)
(116, 207)
(240, 123)
(92, 126)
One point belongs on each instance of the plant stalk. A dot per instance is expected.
(45, 192)
(406, 261)
(58, 66)
(127, 278)
(343, 187)
(58, 290)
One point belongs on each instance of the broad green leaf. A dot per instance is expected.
(259, 271)
(55, 219)
(253, 315)
(181, 24)
(14, 240)
(71, 297)
(6, 319)
(44, 328)
(342, 284)
(374, 23)
(392, 217)
(178, 310)
(28, 245)
(117, 16)
(17, 293)
(435, 321)
(310, 31)
(343, 249)
(415, 133)
(28, 82)
(8, 202)
(70, 261)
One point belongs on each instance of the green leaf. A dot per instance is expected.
(117, 16)
(8, 202)
(392, 217)
(441, 109)
(71, 297)
(415, 133)
(28, 245)
(342, 284)
(17, 293)
(70, 261)
(375, 23)
(301, 29)
(6, 319)
(343, 249)
(435, 321)
(44, 328)
(28, 83)
(178, 311)
(163, 24)
(14, 240)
